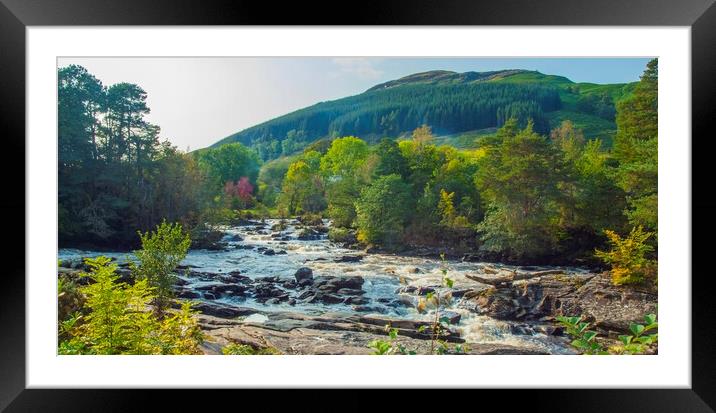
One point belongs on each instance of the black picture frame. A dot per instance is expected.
(16, 15)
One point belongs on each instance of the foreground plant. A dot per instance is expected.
(390, 346)
(639, 342)
(438, 301)
(585, 340)
(120, 320)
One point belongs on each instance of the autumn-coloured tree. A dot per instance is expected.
(241, 190)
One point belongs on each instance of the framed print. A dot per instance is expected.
(423, 197)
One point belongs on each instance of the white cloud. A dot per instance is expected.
(359, 66)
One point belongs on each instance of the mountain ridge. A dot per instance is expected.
(451, 102)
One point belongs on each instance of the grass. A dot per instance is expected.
(464, 140)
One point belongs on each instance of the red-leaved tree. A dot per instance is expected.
(241, 189)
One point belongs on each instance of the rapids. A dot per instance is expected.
(384, 275)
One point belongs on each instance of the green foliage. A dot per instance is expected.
(162, 251)
(585, 340)
(391, 160)
(382, 210)
(390, 346)
(341, 168)
(628, 257)
(115, 176)
(270, 180)
(519, 177)
(636, 149)
(235, 349)
(119, 319)
(639, 342)
(69, 298)
(338, 234)
(303, 189)
(229, 163)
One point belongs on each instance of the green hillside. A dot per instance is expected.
(459, 107)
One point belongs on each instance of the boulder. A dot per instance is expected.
(610, 309)
(304, 274)
(353, 282)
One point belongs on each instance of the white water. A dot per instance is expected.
(383, 275)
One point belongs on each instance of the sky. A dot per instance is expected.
(198, 101)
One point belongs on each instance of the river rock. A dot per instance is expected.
(350, 291)
(266, 291)
(325, 298)
(367, 309)
(349, 258)
(304, 275)
(356, 300)
(425, 290)
(336, 283)
(188, 294)
(610, 309)
(289, 284)
(407, 289)
(218, 289)
(222, 310)
(452, 317)
(235, 277)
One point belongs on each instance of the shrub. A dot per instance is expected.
(628, 257)
(119, 319)
(639, 342)
(179, 333)
(162, 250)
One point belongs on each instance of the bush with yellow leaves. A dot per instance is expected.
(628, 257)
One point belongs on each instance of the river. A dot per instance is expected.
(384, 275)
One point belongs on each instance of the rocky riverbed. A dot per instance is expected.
(284, 284)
